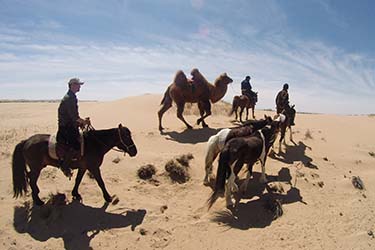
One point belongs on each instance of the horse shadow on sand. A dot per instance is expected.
(296, 153)
(191, 136)
(75, 223)
(255, 212)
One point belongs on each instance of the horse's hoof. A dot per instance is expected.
(108, 199)
(205, 125)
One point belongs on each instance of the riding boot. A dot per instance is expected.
(68, 158)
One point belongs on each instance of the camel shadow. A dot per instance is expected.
(256, 213)
(76, 224)
(191, 136)
(293, 154)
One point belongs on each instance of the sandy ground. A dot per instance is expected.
(322, 209)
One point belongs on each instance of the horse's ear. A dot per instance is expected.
(120, 125)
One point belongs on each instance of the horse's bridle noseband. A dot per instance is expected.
(123, 143)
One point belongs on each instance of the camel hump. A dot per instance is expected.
(180, 78)
(198, 77)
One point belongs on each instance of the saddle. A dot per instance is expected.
(57, 150)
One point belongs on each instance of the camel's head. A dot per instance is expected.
(224, 79)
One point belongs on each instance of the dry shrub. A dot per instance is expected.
(177, 172)
(308, 134)
(146, 172)
(184, 159)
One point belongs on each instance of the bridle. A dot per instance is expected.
(90, 127)
(123, 143)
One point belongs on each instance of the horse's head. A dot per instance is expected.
(223, 79)
(290, 112)
(126, 143)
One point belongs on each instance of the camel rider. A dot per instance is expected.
(69, 122)
(246, 87)
(282, 99)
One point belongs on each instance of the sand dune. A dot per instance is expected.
(312, 179)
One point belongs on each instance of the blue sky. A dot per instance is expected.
(325, 50)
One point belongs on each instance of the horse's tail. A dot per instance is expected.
(234, 105)
(19, 171)
(220, 178)
(166, 97)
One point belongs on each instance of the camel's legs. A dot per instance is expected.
(180, 111)
(204, 107)
(167, 104)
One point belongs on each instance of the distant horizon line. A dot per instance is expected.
(58, 100)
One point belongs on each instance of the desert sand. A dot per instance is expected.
(312, 178)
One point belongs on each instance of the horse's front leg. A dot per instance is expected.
(80, 174)
(247, 113)
(98, 177)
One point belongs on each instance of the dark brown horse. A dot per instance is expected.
(290, 114)
(34, 153)
(198, 90)
(239, 151)
(242, 102)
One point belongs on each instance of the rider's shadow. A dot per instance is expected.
(191, 136)
(294, 154)
(75, 223)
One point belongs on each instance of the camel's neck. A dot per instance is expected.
(217, 92)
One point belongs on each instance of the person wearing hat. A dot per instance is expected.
(246, 88)
(68, 124)
(282, 99)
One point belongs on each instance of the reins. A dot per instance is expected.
(90, 127)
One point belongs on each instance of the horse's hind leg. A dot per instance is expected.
(99, 180)
(212, 152)
(33, 178)
(79, 177)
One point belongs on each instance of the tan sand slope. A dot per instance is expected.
(322, 209)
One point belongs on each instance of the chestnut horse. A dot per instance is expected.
(34, 153)
(242, 102)
(198, 90)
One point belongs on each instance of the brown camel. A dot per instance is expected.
(197, 90)
(242, 102)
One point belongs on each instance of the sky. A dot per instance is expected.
(324, 49)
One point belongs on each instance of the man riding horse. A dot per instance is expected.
(246, 88)
(282, 99)
(69, 122)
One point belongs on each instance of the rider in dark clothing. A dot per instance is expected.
(282, 99)
(69, 122)
(246, 87)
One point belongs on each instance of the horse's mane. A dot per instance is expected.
(180, 78)
(198, 77)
